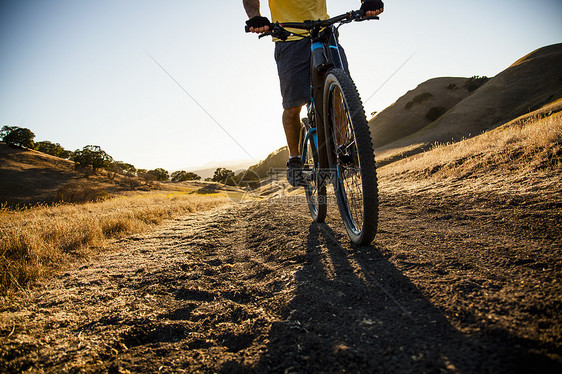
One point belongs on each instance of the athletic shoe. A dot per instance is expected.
(294, 172)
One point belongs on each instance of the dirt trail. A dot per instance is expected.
(453, 283)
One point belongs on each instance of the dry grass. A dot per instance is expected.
(38, 241)
(528, 145)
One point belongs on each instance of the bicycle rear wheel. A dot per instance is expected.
(315, 188)
(351, 157)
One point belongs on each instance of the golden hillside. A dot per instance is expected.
(529, 84)
(410, 112)
(28, 176)
(524, 154)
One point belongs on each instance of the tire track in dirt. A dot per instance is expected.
(451, 284)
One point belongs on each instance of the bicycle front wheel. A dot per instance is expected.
(351, 157)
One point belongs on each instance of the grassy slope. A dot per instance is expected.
(28, 176)
(44, 238)
(528, 84)
(40, 240)
(275, 160)
(408, 114)
(520, 156)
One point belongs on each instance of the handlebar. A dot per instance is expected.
(278, 30)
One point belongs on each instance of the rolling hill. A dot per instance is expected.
(28, 176)
(275, 160)
(208, 170)
(409, 114)
(528, 84)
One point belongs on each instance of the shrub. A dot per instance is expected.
(130, 182)
(80, 193)
(435, 112)
(475, 82)
(418, 100)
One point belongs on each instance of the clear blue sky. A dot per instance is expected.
(90, 71)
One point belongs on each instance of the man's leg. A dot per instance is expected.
(292, 126)
(293, 64)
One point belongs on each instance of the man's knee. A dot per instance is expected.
(291, 112)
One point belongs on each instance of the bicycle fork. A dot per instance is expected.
(323, 175)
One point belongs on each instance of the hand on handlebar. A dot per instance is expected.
(258, 24)
(372, 7)
(262, 26)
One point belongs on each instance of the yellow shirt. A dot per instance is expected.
(297, 11)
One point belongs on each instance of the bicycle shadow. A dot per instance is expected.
(355, 312)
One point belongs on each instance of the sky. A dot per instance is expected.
(177, 84)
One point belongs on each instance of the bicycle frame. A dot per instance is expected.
(327, 41)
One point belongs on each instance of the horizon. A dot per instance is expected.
(112, 73)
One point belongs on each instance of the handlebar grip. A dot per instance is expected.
(367, 18)
(247, 28)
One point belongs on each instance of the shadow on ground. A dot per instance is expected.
(354, 311)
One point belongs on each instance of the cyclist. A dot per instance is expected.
(293, 62)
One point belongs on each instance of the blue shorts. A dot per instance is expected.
(293, 67)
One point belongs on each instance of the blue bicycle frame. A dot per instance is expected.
(327, 40)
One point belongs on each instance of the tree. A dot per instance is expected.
(193, 176)
(53, 149)
(144, 175)
(246, 178)
(159, 174)
(19, 136)
(182, 176)
(222, 175)
(92, 155)
(123, 168)
(435, 112)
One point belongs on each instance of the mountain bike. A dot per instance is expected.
(335, 142)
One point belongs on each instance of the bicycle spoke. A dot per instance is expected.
(349, 177)
(315, 190)
(352, 184)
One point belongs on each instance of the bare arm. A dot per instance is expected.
(252, 7)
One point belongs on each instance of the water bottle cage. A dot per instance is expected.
(321, 61)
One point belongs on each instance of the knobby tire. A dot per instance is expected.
(351, 157)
